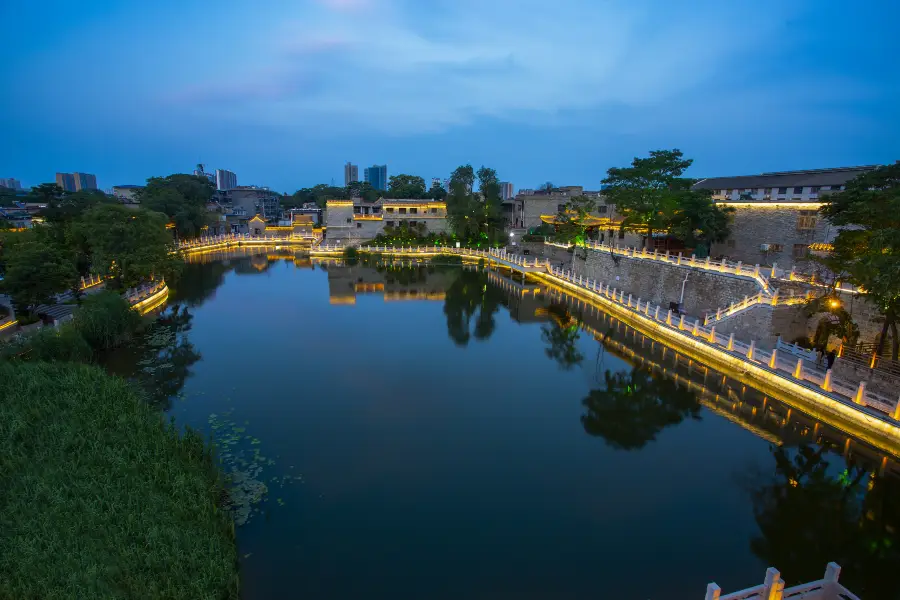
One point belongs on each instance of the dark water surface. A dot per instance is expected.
(448, 432)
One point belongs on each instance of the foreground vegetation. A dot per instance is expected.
(101, 498)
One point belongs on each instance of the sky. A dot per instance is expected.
(283, 92)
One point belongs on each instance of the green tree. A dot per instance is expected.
(45, 193)
(699, 222)
(131, 246)
(471, 296)
(63, 209)
(8, 198)
(437, 192)
(572, 221)
(182, 198)
(476, 218)
(867, 248)
(106, 320)
(406, 186)
(36, 270)
(364, 190)
(647, 193)
(635, 407)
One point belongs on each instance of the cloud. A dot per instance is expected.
(403, 70)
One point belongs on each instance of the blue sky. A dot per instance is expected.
(283, 92)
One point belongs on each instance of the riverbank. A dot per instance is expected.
(102, 498)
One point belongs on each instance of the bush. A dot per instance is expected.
(49, 344)
(351, 253)
(101, 498)
(105, 320)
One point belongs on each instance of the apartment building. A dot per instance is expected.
(776, 215)
(358, 220)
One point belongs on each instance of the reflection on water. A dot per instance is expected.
(817, 496)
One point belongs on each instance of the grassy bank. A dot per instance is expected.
(102, 499)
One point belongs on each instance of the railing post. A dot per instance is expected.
(775, 298)
(647, 308)
(751, 349)
(712, 592)
(681, 322)
(737, 269)
(712, 335)
(826, 384)
(773, 585)
(773, 360)
(860, 397)
(798, 370)
(707, 262)
(832, 572)
(896, 414)
(679, 259)
(693, 259)
(656, 314)
(629, 300)
(756, 271)
(669, 317)
(730, 342)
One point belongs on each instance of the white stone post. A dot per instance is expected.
(693, 259)
(696, 331)
(730, 342)
(669, 317)
(647, 308)
(656, 314)
(712, 335)
(681, 322)
(751, 349)
(798, 371)
(773, 585)
(826, 384)
(629, 300)
(773, 360)
(737, 269)
(712, 592)
(860, 397)
(679, 259)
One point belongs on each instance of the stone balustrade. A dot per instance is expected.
(773, 588)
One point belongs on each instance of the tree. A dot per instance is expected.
(8, 197)
(547, 187)
(406, 186)
(364, 190)
(45, 193)
(867, 248)
(36, 270)
(470, 295)
(699, 222)
(475, 218)
(561, 335)
(572, 221)
(635, 407)
(182, 198)
(131, 246)
(647, 192)
(63, 209)
(437, 192)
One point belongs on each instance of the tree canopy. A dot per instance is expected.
(182, 198)
(699, 222)
(647, 193)
(37, 269)
(867, 248)
(475, 217)
(128, 245)
(406, 186)
(572, 220)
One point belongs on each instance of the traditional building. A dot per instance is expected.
(776, 215)
(358, 220)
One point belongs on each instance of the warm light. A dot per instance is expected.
(834, 304)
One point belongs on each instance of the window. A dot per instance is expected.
(434, 211)
(388, 223)
(355, 210)
(727, 192)
(776, 247)
(602, 209)
(376, 210)
(835, 188)
(768, 191)
(800, 250)
(359, 225)
(365, 210)
(389, 209)
(806, 220)
(560, 207)
(348, 220)
(782, 190)
(621, 234)
(414, 211)
(402, 211)
(798, 190)
(749, 191)
(730, 243)
(814, 190)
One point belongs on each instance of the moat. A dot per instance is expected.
(413, 430)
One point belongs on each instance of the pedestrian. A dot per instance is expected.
(832, 356)
(819, 356)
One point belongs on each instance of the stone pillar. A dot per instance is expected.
(712, 592)
(860, 397)
(773, 361)
(629, 300)
(798, 371)
(681, 322)
(730, 342)
(696, 331)
(826, 384)
(712, 335)
(669, 317)
(656, 314)
(751, 349)
(773, 585)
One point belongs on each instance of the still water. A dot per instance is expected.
(422, 431)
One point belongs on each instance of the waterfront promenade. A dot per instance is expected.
(848, 406)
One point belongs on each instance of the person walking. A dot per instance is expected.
(832, 356)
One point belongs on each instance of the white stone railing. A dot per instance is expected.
(773, 588)
(739, 269)
(225, 240)
(760, 298)
(135, 296)
(777, 363)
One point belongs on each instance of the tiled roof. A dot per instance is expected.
(813, 178)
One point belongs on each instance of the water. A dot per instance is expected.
(448, 432)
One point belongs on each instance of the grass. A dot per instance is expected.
(100, 497)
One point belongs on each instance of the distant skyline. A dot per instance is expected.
(538, 91)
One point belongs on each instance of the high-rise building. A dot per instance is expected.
(84, 181)
(225, 180)
(11, 183)
(376, 175)
(66, 181)
(506, 190)
(436, 181)
(351, 173)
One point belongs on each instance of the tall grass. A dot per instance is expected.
(106, 320)
(100, 497)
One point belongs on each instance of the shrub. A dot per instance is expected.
(351, 253)
(49, 344)
(101, 498)
(105, 320)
